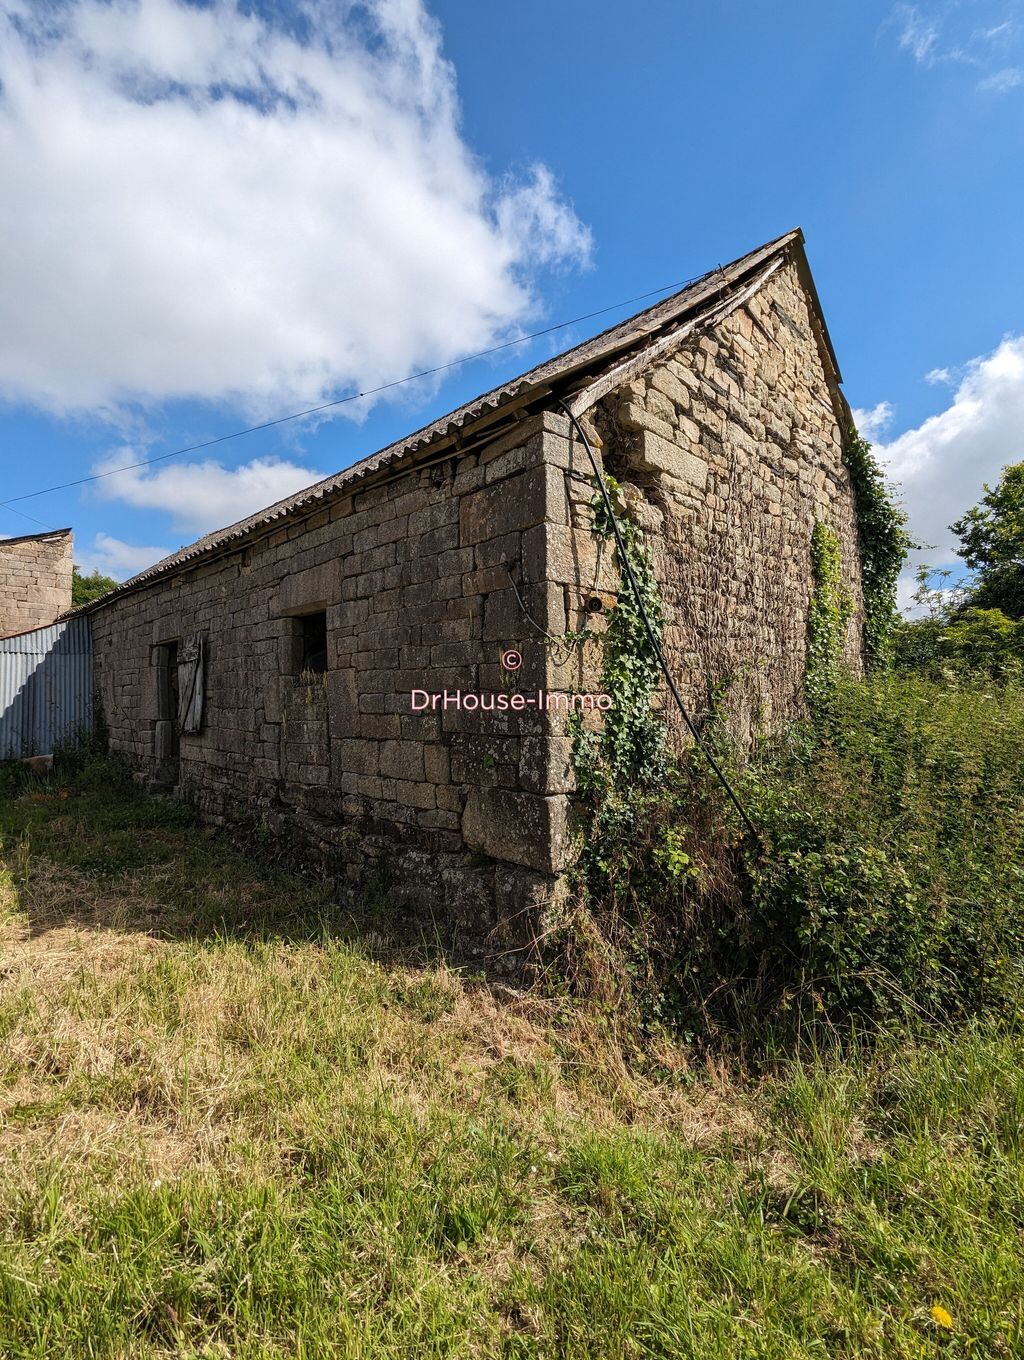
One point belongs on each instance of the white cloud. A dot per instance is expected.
(203, 202)
(998, 32)
(1001, 82)
(938, 376)
(948, 33)
(871, 422)
(200, 497)
(942, 463)
(918, 36)
(113, 557)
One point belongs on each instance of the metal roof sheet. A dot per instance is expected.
(581, 361)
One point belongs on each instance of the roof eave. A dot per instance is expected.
(453, 433)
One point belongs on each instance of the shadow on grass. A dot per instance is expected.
(86, 847)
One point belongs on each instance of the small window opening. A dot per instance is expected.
(313, 642)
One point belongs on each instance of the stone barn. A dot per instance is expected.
(339, 667)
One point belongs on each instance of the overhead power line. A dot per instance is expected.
(31, 518)
(10, 502)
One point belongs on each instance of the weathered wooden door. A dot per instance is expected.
(165, 729)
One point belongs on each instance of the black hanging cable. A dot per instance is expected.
(344, 401)
(651, 635)
(32, 518)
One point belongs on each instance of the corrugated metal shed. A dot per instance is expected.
(45, 688)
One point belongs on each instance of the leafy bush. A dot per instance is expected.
(893, 879)
(889, 883)
(984, 640)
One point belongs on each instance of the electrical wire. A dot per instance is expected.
(31, 518)
(342, 401)
(652, 637)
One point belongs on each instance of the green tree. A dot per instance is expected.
(985, 640)
(86, 588)
(992, 539)
(954, 638)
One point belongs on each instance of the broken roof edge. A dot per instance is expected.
(704, 292)
(30, 538)
(666, 344)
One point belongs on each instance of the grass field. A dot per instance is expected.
(235, 1121)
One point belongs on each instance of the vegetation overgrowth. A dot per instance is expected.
(886, 886)
(778, 1115)
(883, 542)
(828, 614)
(240, 1121)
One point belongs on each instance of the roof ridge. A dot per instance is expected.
(623, 335)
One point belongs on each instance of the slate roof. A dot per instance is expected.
(558, 375)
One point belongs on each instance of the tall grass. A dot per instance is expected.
(236, 1122)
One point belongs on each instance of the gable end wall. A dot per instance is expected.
(728, 452)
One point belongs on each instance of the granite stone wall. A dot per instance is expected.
(727, 452)
(418, 577)
(35, 580)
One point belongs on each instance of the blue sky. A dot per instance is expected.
(213, 217)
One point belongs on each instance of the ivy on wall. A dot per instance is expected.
(630, 749)
(827, 618)
(884, 542)
(636, 853)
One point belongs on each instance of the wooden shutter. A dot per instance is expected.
(191, 683)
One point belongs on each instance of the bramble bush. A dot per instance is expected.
(892, 881)
(889, 885)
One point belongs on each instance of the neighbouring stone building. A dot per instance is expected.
(35, 579)
(269, 670)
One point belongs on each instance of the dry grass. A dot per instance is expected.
(233, 1122)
